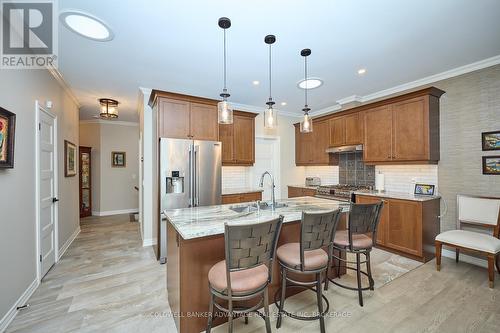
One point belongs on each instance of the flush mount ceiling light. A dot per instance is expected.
(306, 125)
(270, 116)
(86, 25)
(225, 110)
(109, 108)
(311, 83)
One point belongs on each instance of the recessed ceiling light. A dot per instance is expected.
(255, 83)
(283, 103)
(86, 25)
(361, 71)
(312, 83)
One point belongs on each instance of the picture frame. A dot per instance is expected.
(490, 140)
(7, 138)
(424, 189)
(491, 165)
(70, 159)
(118, 159)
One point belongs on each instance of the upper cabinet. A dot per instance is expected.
(398, 130)
(238, 140)
(310, 148)
(403, 132)
(185, 117)
(345, 130)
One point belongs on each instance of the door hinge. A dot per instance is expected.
(39, 126)
(40, 258)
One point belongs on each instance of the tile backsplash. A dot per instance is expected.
(329, 174)
(235, 177)
(401, 178)
(353, 171)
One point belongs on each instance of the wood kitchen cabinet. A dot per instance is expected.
(185, 117)
(310, 148)
(406, 131)
(241, 197)
(294, 192)
(407, 227)
(345, 130)
(238, 140)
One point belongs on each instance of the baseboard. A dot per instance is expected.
(11, 314)
(465, 258)
(116, 212)
(148, 242)
(68, 243)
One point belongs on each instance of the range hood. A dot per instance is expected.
(343, 149)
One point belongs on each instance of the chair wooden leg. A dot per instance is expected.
(439, 247)
(457, 254)
(210, 313)
(282, 299)
(230, 316)
(491, 269)
(319, 296)
(369, 271)
(498, 262)
(266, 310)
(358, 275)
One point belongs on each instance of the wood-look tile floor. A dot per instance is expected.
(107, 282)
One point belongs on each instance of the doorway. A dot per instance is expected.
(46, 189)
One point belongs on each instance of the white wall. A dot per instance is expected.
(112, 188)
(18, 91)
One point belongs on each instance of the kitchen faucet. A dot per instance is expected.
(273, 198)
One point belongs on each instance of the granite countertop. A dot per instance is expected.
(305, 186)
(196, 222)
(399, 195)
(241, 190)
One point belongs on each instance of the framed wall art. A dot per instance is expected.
(7, 138)
(70, 159)
(490, 140)
(118, 159)
(491, 165)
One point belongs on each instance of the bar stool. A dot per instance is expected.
(246, 272)
(358, 239)
(306, 258)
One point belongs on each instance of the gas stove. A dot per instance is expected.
(340, 192)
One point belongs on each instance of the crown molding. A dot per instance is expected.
(412, 85)
(109, 122)
(60, 79)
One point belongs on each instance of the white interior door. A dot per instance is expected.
(267, 159)
(47, 191)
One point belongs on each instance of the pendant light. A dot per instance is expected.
(225, 110)
(270, 116)
(306, 125)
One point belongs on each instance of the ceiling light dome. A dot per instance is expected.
(311, 83)
(86, 25)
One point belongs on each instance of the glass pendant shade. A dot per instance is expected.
(225, 111)
(270, 118)
(306, 125)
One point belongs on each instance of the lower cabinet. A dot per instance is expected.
(294, 192)
(241, 197)
(406, 226)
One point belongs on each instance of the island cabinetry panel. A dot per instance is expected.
(407, 227)
(185, 117)
(187, 275)
(294, 192)
(241, 197)
(238, 140)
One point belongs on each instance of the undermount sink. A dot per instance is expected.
(249, 208)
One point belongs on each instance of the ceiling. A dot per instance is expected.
(176, 45)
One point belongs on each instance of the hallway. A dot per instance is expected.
(106, 281)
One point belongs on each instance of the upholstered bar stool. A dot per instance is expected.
(308, 258)
(246, 272)
(358, 239)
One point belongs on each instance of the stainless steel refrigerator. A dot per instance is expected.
(190, 176)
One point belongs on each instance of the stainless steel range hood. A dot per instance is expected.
(344, 149)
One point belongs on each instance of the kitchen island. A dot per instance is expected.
(196, 242)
